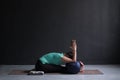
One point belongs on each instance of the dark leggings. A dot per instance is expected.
(49, 68)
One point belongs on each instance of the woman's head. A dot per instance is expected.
(69, 54)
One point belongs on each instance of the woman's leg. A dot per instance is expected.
(49, 68)
(38, 65)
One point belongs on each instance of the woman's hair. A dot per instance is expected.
(69, 54)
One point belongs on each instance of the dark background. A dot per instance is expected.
(31, 28)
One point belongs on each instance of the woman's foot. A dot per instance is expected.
(82, 66)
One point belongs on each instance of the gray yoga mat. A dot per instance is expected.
(85, 72)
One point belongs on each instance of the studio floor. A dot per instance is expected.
(111, 72)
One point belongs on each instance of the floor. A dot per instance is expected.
(111, 72)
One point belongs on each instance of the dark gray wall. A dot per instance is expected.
(31, 28)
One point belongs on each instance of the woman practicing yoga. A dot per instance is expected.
(60, 62)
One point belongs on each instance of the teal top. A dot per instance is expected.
(52, 58)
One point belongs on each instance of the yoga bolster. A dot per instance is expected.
(73, 67)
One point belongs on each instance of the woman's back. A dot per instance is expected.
(52, 58)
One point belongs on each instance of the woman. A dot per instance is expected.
(53, 61)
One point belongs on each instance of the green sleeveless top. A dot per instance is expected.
(52, 58)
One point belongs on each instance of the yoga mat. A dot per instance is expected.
(91, 72)
(85, 72)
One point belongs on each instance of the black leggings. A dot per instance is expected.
(49, 68)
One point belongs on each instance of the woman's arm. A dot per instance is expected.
(74, 51)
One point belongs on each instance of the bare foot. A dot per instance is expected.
(82, 66)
